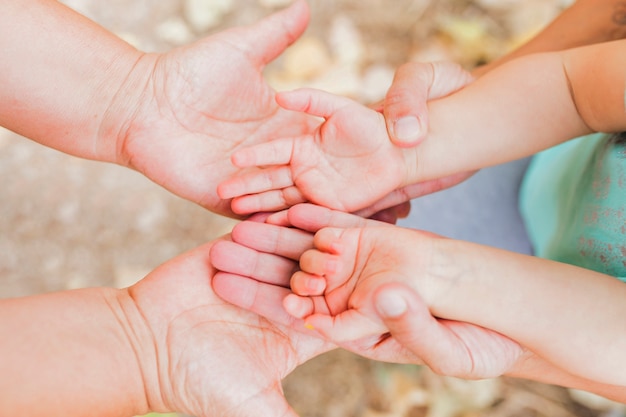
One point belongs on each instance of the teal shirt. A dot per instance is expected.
(573, 201)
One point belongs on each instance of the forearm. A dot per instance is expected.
(514, 111)
(561, 312)
(60, 73)
(69, 353)
(586, 22)
(523, 107)
(534, 368)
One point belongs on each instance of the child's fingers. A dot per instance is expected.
(267, 201)
(275, 152)
(319, 263)
(331, 240)
(298, 307)
(307, 285)
(348, 326)
(314, 102)
(236, 259)
(256, 182)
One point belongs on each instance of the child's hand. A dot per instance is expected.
(255, 272)
(348, 163)
(334, 290)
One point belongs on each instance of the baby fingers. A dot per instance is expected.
(307, 285)
(276, 152)
(267, 179)
(267, 201)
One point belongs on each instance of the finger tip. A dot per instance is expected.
(407, 131)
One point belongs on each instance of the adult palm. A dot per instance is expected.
(212, 358)
(196, 104)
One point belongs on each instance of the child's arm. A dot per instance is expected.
(586, 22)
(527, 105)
(522, 107)
(561, 312)
(455, 348)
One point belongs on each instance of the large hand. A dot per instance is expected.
(346, 164)
(198, 103)
(257, 268)
(214, 359)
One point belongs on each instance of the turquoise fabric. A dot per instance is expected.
(573, 201)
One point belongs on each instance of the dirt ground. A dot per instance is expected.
(68, 223)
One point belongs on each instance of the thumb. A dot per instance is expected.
(405, 108)
(268, 38)
(411, 324)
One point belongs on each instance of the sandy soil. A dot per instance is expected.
(68, 223)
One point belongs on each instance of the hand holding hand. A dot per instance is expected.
(193, 106)
(347, 163)
(204, 357)
(406, 115)
(256, 270)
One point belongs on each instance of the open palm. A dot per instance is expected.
(348, 163)
(214, 359)
(202, 101)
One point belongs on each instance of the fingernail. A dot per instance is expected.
(407, 129)
(391, 304)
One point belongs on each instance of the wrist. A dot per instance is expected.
(131, 86)
(412, 169)
(142, 348)
(450, 285)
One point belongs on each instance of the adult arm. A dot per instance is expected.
(175, 117)
(166, 344)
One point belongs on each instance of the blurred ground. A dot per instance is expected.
(67, 223)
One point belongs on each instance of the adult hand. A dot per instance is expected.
(190, 108)
(256, 269)
(204, 357)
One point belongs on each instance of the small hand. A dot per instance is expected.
(347, 164)
(257, 275)
(406, 114)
